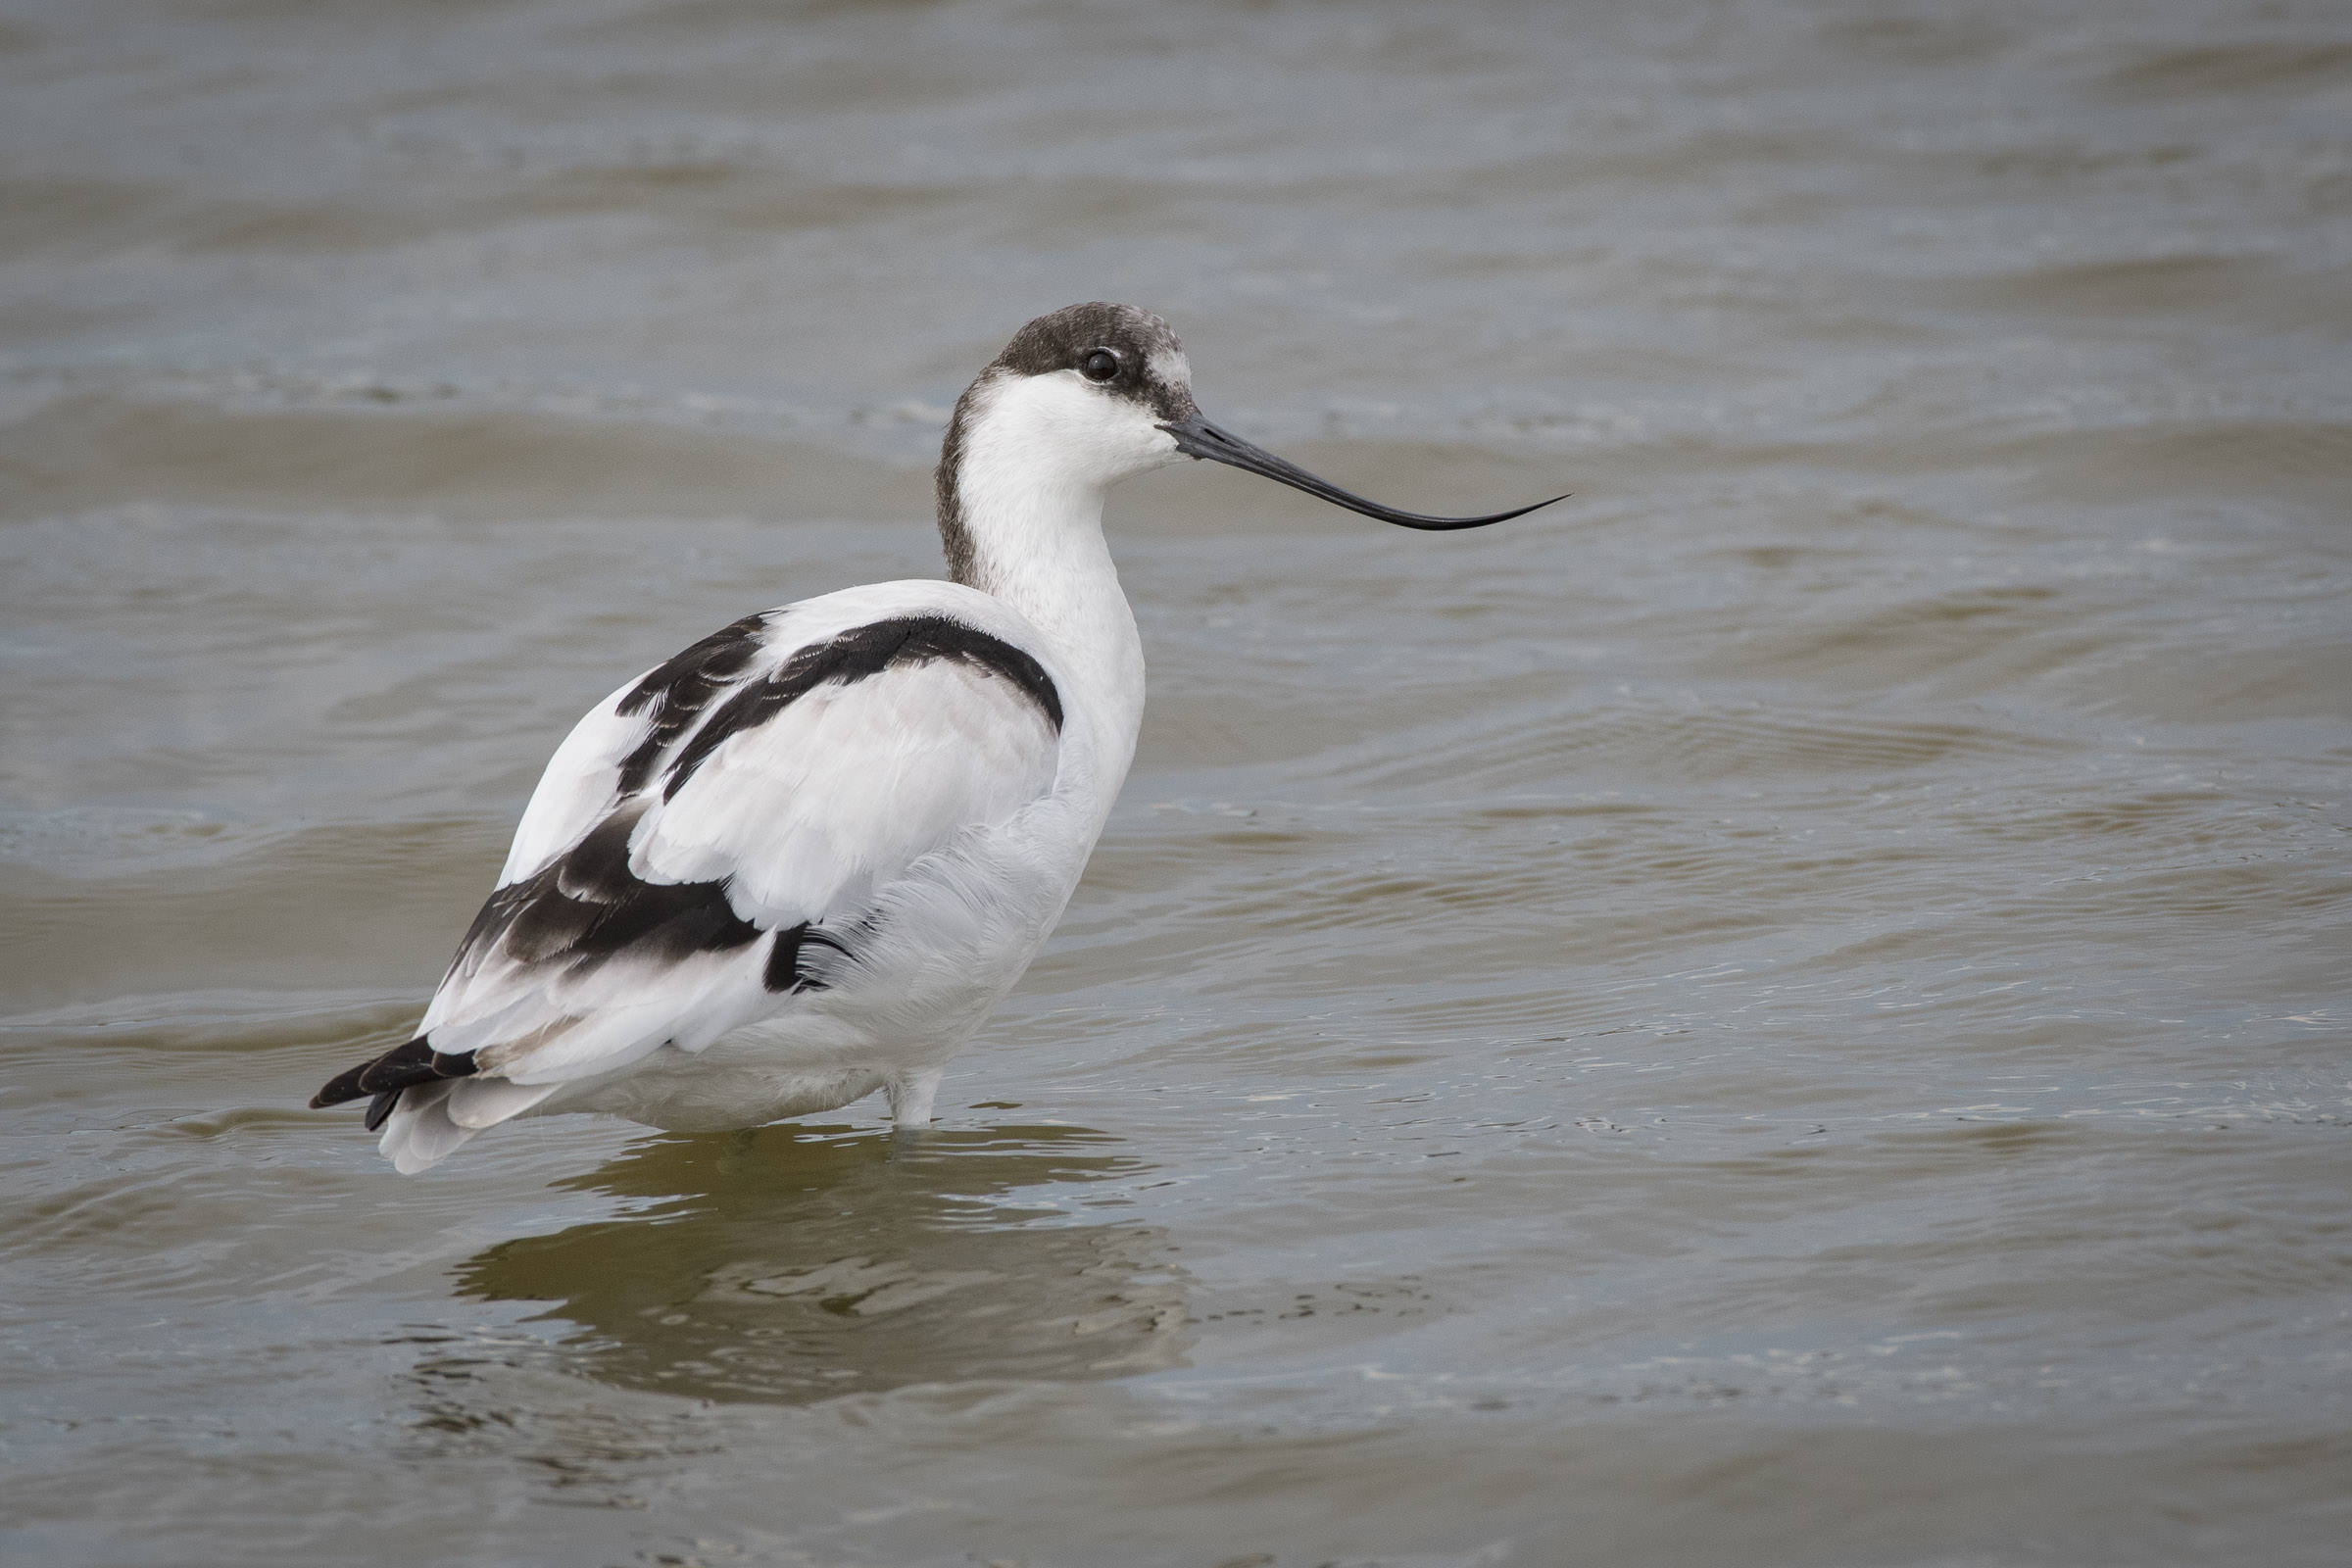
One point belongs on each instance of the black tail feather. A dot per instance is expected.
(402, 1067)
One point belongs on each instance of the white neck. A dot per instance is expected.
(1028, 502)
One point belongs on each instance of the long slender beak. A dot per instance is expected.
(1196, 437)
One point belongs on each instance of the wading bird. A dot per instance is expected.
(803, 858)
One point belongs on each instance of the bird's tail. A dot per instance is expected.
(427, 1101)
(431, 1122)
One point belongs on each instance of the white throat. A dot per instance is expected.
(1033, 459)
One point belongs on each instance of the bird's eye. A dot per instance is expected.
(1100, 366)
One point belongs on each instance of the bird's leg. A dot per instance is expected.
(910, 1097)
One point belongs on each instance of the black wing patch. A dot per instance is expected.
(589, 907)
(580, 913)
(402, 1067)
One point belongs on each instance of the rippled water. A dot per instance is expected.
(1791, 1010)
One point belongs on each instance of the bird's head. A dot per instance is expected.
(1093, 394)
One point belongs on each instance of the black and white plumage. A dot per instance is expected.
(805, 857)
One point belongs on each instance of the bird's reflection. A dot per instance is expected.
(797, 1263)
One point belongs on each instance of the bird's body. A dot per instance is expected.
(803, 860)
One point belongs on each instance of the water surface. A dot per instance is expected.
(1791, 1009)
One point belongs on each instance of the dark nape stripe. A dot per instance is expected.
(783, 972)
(854, 656)
(678, 692)
(954, 538)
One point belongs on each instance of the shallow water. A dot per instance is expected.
(1791, 1009)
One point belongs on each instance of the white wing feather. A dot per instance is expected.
(813, 812)
(579, 787)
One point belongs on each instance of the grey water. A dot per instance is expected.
(1789, 1010)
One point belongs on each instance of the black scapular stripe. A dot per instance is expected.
(681, 687)
(854, 656)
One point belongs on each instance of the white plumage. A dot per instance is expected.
(805, 857)
(930, 818)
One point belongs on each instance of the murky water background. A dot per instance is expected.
(1790, 1011)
